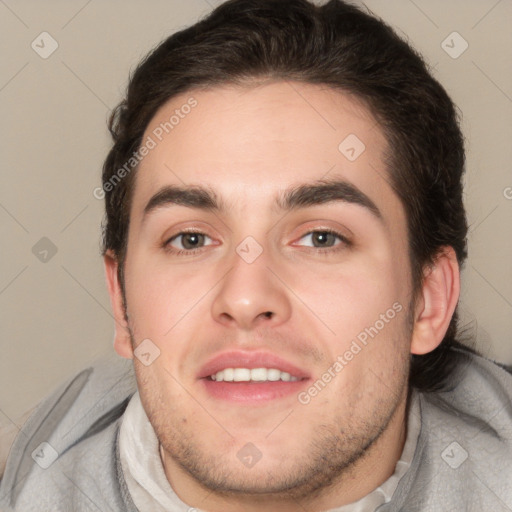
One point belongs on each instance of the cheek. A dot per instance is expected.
(165, 300)
(364, 305)
(353, 296)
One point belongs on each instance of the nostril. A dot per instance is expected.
(227, 316)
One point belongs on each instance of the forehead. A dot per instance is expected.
(252, 141)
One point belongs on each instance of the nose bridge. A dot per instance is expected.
(250, 294)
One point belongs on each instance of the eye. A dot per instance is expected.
(186, 242)
(325, 238)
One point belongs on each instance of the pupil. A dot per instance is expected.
(323, 237)
(191, 240)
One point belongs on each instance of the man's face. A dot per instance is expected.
(262, 286)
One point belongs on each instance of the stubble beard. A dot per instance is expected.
(323, 460)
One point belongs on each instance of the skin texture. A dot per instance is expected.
(303, 299)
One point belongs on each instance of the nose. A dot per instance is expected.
(251, 295)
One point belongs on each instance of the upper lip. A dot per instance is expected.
(241, 359)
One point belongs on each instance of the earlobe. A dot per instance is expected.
(437, 302)
(122, 340)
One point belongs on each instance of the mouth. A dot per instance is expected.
(248, 377)
(253, 375)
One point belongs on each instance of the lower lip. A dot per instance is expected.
(252, 392)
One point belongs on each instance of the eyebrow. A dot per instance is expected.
(301, 196)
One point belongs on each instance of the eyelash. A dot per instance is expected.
(325, 251)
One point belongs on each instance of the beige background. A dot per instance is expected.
(55, 316)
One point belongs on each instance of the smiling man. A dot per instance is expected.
(253, 245)
(282, 246)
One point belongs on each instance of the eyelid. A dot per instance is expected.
(201, 228)
(186, 231)
(344, 239)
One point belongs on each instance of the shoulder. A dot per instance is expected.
(480, 396)
(463, 459)
(69, 441)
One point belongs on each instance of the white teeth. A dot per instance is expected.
(255, 375)
(259, 374)
(241, 374)
(273, 374)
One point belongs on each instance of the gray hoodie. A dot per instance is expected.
(66, 457)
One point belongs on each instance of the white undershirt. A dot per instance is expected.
(151, 492)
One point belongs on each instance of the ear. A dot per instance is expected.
(436, 303)
(122, 340)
